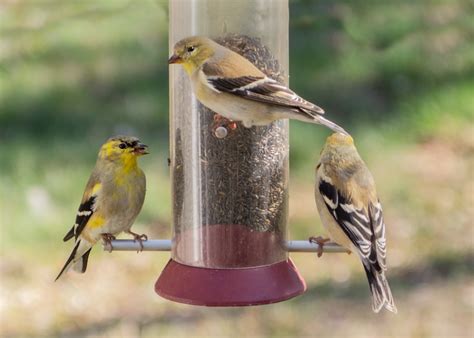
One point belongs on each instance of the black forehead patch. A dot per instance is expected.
(129, 143)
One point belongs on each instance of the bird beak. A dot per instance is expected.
(141, 149)
(174, 59)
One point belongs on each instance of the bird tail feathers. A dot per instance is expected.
(329, 124)
(381, 293)
(81, 265)
(78, 258)
(312, 117)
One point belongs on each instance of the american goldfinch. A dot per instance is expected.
(112, 199)
(232, 86)
(351, 212)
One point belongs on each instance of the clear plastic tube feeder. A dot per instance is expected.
(229, 183)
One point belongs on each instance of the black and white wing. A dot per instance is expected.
(262, 89)
(85, 211)
(365, 229)
(378, 226)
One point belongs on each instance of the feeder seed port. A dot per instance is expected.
(221, 132)
(165, 245)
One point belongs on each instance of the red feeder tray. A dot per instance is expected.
(230, 287)
(232, 265)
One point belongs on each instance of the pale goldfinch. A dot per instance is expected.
(112, 199)
(351, 212)
(233, 87)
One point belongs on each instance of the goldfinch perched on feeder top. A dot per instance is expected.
(112, 199)
(351, 212)
(232, 86)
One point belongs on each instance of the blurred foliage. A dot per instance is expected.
(82, 69)
(399, 75)
(401, 68)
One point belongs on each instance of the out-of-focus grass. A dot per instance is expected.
(398, 76)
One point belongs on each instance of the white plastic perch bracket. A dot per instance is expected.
(165, 245)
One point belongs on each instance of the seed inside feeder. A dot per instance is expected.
(243, 183)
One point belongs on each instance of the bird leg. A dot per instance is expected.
(320, 241)
(108, 238)
(138, 238)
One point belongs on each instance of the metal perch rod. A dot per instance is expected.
(165, 245)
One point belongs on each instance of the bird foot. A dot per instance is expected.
(222, 126)
(320, 241)
(138, 238)
(107, 239)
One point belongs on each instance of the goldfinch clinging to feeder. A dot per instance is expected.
(351, 212)
(232, 86)
(112, 199)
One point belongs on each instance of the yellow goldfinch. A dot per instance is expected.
(232, 86)
(351, 212)
(112, 199)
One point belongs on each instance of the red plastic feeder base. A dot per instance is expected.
(230, 287)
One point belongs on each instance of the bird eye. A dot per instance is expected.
(122, 145)
(190, 49)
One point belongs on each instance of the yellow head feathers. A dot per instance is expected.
(339, 148)
(339, 139)
(192, 52)
(124, 148)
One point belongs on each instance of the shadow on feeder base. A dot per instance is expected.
(230, 287)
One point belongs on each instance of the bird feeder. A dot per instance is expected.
(229, 183)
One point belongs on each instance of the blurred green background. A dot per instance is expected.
(398, 74)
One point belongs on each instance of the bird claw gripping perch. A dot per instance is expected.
(108, 238)
(320, 241)
(138, 238)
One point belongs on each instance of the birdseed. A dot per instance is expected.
(244, 171)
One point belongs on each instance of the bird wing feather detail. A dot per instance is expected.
(378, 226)
(365, 229)
(263, 89)
(85, 211)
